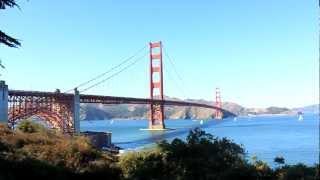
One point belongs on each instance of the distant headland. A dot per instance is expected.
(123, 111)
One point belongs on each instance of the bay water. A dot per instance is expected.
(262, 136)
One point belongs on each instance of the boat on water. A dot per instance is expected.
(300, 116)
(201, 122)
(251, 115)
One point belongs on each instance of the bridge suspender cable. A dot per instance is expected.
(110, 70)
(175, 82)
(174, 67)
(176, 72)
(114, 74)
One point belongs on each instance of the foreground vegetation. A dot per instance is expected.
(35, 152)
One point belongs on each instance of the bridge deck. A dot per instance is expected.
(112, 99)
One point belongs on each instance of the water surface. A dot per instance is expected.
(263, 136)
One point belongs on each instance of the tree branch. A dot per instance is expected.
(9, 41)
(8, 3)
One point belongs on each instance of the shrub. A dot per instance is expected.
(297, 172)
(262, 170)
(144, 165)
(33, 143)
(27, 126)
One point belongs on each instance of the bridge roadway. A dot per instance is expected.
(98, 99)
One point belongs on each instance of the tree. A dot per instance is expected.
(201, 156)
(204, 156)
(279, 160)
(4, 38)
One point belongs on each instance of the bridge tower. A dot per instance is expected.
(3, 102)
(218, 113)
(156, 120)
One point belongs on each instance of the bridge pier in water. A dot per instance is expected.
(3, 102)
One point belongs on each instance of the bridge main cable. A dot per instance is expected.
(108, 71)
(114, 74)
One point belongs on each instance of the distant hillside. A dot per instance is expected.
(312, 109)
(269, 110)
(123, 111)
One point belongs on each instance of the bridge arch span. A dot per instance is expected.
(53, 108)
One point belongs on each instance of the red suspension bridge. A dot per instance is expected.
(62, 110)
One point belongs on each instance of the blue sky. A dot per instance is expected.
(260, 53)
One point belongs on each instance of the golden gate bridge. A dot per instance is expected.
(62, 109)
